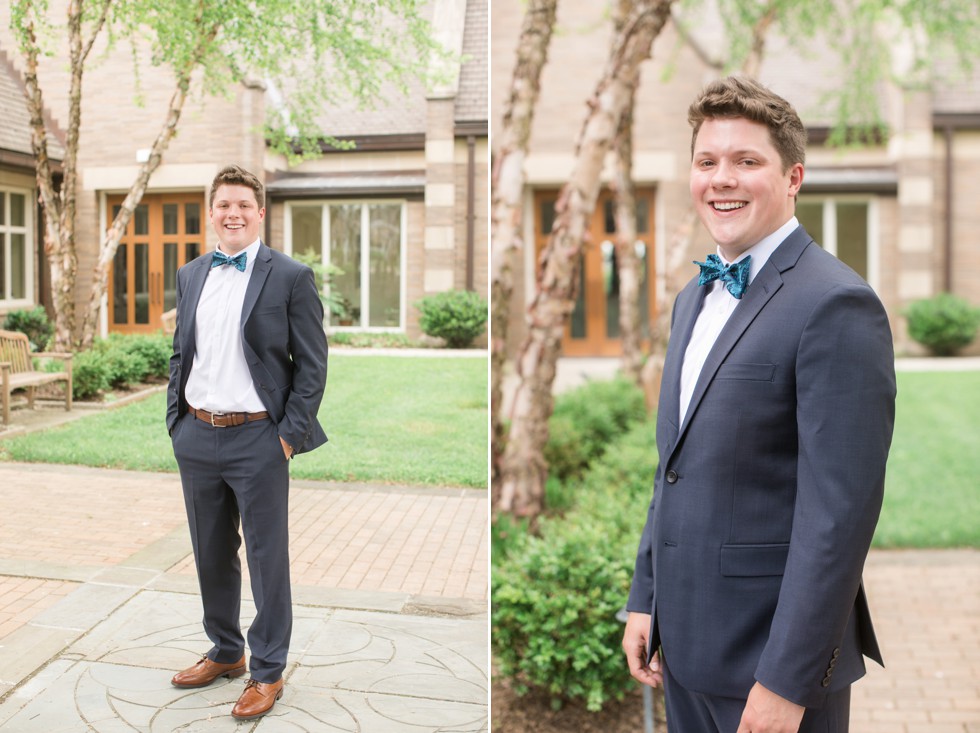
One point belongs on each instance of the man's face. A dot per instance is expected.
(738, 185)
(236, 217)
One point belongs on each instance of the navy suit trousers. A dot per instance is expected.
(693, 712)
(239, 476)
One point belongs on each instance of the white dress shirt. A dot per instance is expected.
(219, 380)
(717, 309)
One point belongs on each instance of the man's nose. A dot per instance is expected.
(723, 176)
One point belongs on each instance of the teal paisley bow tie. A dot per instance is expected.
(735, 276)
(238, 261)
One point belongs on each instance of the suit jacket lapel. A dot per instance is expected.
(260, 271)
(688, 307)
(195, 286)
(765, 285)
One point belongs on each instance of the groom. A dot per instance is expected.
(775, 419)
(246, 379)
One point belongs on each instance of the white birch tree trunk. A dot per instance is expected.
(507, 187)
(523, 467)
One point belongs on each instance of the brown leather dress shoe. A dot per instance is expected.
(205, 672)
(257, 699)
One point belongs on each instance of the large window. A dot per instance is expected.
(843, 226)
(365, 242)
(16, 251)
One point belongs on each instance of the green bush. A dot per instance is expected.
(457, 316)
(89, 375)
(34, 323)
(943, 324)
(554, 616)
(555, 596)
(123, 368)
(586, 420)
(154, 349)
(565, 450)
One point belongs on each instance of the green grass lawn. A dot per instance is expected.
(932, 494)
(390, 419)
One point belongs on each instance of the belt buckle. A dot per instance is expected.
(217, 414)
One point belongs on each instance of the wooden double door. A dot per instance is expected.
(165, 232)
(593, 328)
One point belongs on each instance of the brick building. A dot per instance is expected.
(903, 213)
(403, 214)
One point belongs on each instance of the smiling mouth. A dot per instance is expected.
(234, 226)
(728, 205)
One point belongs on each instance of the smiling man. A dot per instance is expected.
(773, 428)
(246, 379)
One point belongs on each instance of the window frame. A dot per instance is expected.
(828, 203)
(30, 249)
(365, 254)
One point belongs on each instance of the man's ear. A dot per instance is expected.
(795, 179)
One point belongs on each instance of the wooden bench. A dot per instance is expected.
(17, 367)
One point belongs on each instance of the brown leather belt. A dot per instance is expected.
(226, 419)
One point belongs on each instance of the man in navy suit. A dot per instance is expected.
(246, 379)
(774, 423)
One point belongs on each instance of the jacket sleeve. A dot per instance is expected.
(845, 383)
(308, 349)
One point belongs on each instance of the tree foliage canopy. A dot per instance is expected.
(874, 40)
(309, 54)
(314, 53)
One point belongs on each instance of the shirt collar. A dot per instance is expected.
(763, 249)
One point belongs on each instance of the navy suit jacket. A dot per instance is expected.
(766, 498)
(282, 336)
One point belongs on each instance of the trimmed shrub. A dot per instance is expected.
(555, 596)
(943, 324)
(554, 616)
(89, 375)
(34, 323)
(457, 316)
(588, 419)
(123, 368)
(154, 349)
(565, 450)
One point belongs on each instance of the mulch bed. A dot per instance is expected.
(533, 714)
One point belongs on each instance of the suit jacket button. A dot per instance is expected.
(836, 653)
(671, 476)
(825, 682)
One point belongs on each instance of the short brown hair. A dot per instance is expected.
(738, 97)
(237, 176)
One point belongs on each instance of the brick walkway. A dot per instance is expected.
(23, 598)
(61, 525)
(432, 543)
(926, 607)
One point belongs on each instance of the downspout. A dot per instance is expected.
(948, 223)
(470, 208)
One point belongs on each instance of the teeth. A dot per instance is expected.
(728, 205)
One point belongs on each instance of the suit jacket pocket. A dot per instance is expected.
(743, 561)
(748, 372)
